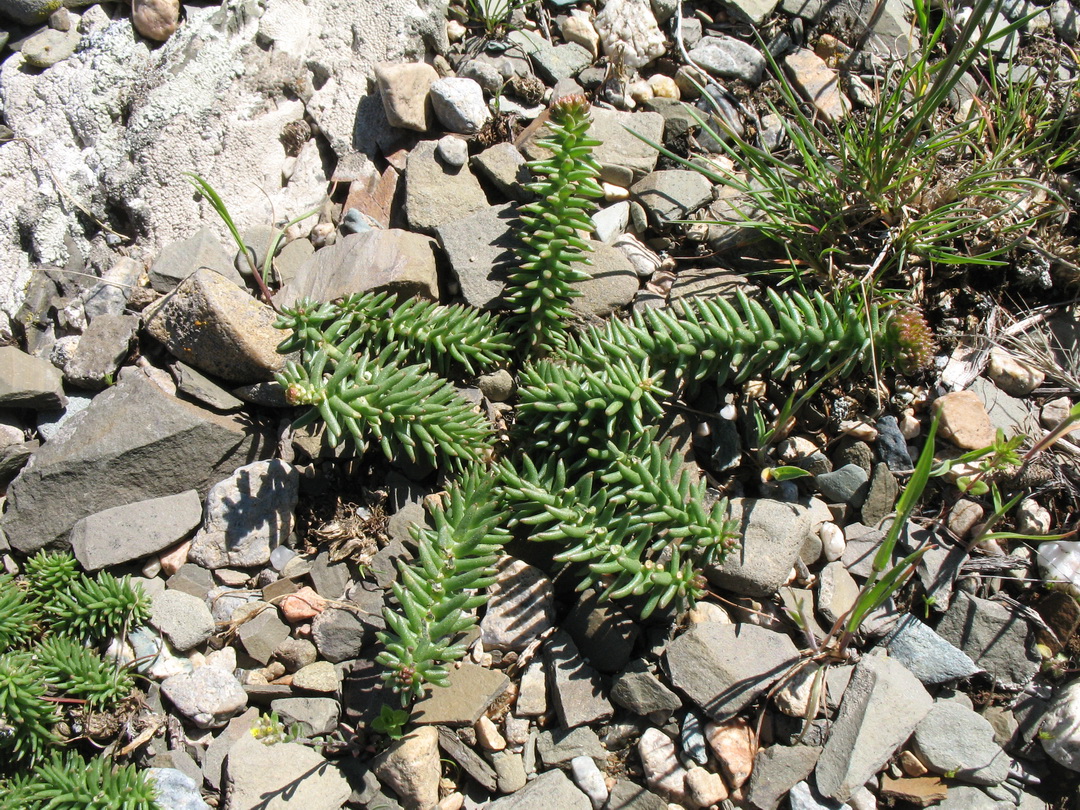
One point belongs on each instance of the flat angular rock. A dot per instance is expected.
(210, 323)
(133, 443)
(471, 762)
(995, 636)
(723, 668)
(576, 688)
(264, 633)
(837, 591)
(374, 261)
(672, 194)
(954, 740)
(272, 777)
(472, 689)
(247, 516)
(339, 634)
(964, 420)
(612, 283)
(480, 248)
(318, 677)
(102, 347)
(729, 58)
(459, 104)
(627, 795)
(928, 656)
(410, 767)
(405, 91)
(133, 531)
(818, 83)
(562, 62)
(549, 790)
(637, 689)
(521, 606)
(881, 707)
(436, 193)
(777, 769)
(319, 715)
(29, 382)
(604, 629)
(183, 619)
(202, 389)
(618, 149)
(773, 534)
(557, 748)
(182, 257)
(505, 166)
(754, 12)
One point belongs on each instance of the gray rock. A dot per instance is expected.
(210, 323)
(964, 797)
(406, 94)
(611, 285)
(330, 579)
(1009, 413)
(264, 633)
(498, 386)
(837, 591)
(881, 495)
(32, 12)
(247, 515)
(183, 619)
(862, 546)
(471, 690)
(678, 120)
(928, 656)
(891, 28)
(133, 443)
(293, 256)
(410, 767)
(459, 105)
(521, 606)
(207, 697)
(954, 740)
(484, 72)
(284, 773)
(550, 789)
(317, 715)
(773, 533)
(134, 531)
(627, 795)
(471, 762)
(50, 422)
(610, 222)
(845, 485)
(182, 257)
(672, 194)
(707, 282)
(338, 634)
(436, 193)
(46, 48)
(853, 451)
(807, 9)
(452, 150)
(777, 769)
(692, 739)
(1059, 726)
(729, 58)
(995, 636)
(620, 151)
(637, 689)
(881, 707)
(604, 629)
(577, 690)
(892, 446)
(723, 668)
(561, 62)
(175, 789)
(214, 758)
(197, 581)
(754, 12)
(480, 249)
(506, 168)
(388, 260)
(318, 677)
(804, 797)
(295, 653)
(532, 691)
(29, 382)
(1066, 21)
(200, 388)
(558, 747)
(102, 347)
(509, 770)
(14, 457)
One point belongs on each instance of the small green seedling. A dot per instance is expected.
(390, 722)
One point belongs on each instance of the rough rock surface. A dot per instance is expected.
(280, 776)
(133, 443)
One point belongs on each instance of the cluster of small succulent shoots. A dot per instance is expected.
(587, 470)
(50, 625)
(911, 339)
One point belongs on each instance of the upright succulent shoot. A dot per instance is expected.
(539, 291)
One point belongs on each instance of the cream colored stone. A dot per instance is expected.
(1012, 375)
(579, 28)
(664, 86)
(734, 746)
(156, 19)
(964, 420)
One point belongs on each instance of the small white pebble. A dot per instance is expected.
(1031, 518)
(151, 568)
(588, 777)
(453, 801)
(613, 193)
(910, 427)
(708, 612)
(832, 542)
(455, 32)
(728, 413)
(664, 86)
(487, 734)
(859, 429)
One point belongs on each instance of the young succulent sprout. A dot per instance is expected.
(912, 340)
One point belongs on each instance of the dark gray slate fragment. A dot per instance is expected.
(930, 658)
(576, 689)
(480, 248)
(557, 747)
(338, 634)
(469, 760)
(103, 346)
(604, 629)
(136, 530)
(549, 790)
(182, 257)
(773, 534)
(723, 668)
(776, 770)
(638, 690)
(133, 443)
(996, 637)
(892, 446)
(29, 382)
(627, 795)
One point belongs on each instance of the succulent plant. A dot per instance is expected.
(67, 782)
(16, 614)
(97, 608)
(540, 289)
(438, 595)
(911, 340)
(26, 717)
(81, 673)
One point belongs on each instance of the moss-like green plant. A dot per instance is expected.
(446, 339)
(66, 782)
(16, 614)
(81, 673)
(403, 408)
(641, 527)
(540, 289)
(438, 594)
(26, 718)
(97, 608)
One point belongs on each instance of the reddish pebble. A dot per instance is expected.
(303, 605)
